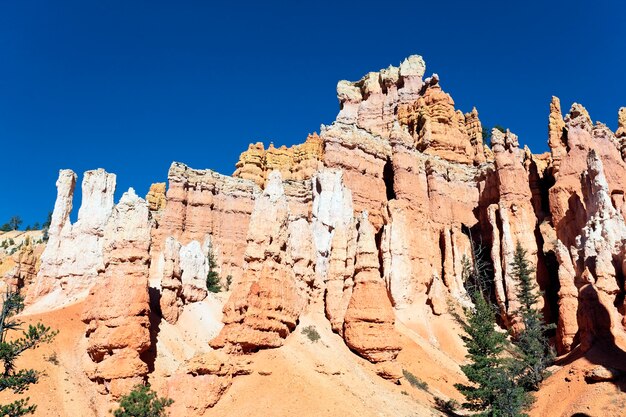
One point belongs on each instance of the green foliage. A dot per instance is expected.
(229, 281)
(448, 407)
(142, 402)
(414, 381)
(36, 226)
(487, 133)
(18, 380)
(493, 389)
(14, 222)
(212, 278)
(311, 333)
(5, 227)
(536, 354)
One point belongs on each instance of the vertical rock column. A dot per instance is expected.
(117, 309)
(263, 307)
(73, 257)
(369, 321)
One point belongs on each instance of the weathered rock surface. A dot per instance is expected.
(263, 307)
(201, 203)
(201, 382)
(74, 255)
(298, 162)
(369, 320)
(171, 301)
(284, 229)
(513, 221)
(156, 196)
(117, 309)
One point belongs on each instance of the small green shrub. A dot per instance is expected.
(448, 407)
(53, 358)
(311, 333)
(414, 381)
(404, 393)
(142, 402)
(229, 281)
(212, 278)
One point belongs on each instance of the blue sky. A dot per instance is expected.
(130, 86)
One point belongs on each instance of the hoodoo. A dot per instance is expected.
(339, 260)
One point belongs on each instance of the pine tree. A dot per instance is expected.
(536, 354)
(212, 278)
(12, 378)
(142, 402)
(493, 390)
(491, 370)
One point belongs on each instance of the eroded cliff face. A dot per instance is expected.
(373, 218)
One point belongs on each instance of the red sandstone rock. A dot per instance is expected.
(117, 308)
(369, 320)
(263, 307)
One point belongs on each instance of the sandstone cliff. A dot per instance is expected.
(368, 222)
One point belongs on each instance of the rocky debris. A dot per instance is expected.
(74, 255)
(298, 162)
(156, 196)
(263, 307)
(25, 271)
(369, 320)
(201, 382)
(117, 309)
(602, 374)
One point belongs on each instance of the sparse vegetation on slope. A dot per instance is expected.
(142, 402)
(536, 353)
(12, 378)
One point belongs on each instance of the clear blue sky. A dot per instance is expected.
(130, 86)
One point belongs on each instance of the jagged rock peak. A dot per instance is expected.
(578, 117)
(156, 196)
(501, 141)
(621, 123)
(297, 162)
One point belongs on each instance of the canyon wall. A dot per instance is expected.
(380, 212)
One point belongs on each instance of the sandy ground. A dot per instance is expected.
(305, 378)
(566, 392)
(63, 389)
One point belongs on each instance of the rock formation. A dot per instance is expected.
(117, 309)
(298, 162)
(513, 220)
(289, 233)
(156, 196)
(74, 255)
(201, 203)
(369, 320)
(263, 307)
